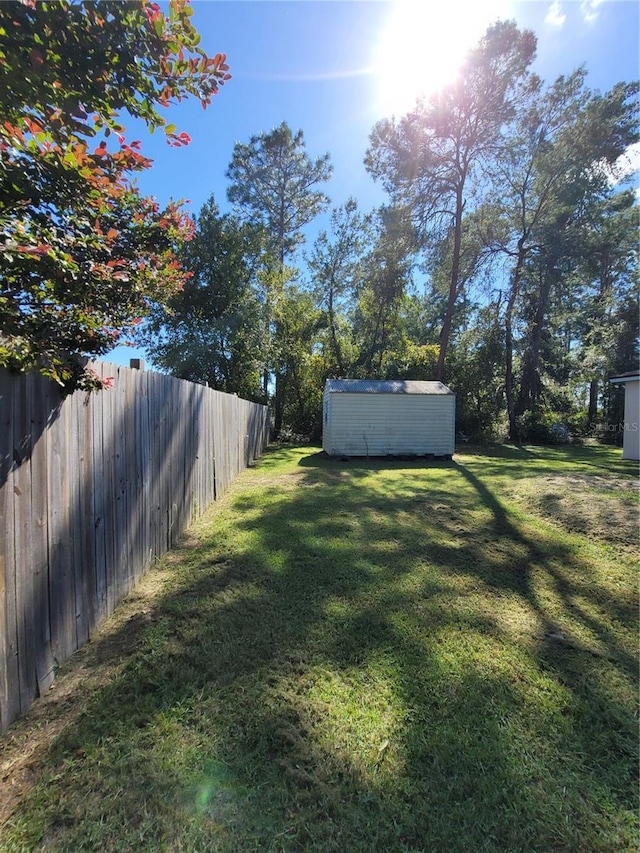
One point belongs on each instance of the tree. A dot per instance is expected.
(377, 328)
(83, 253)
(337, 269)
(212, 330)
(608, 314)
(526, 184)
(430, 159)
(476, 370)
(547, 180)
(274, 184)
(302, 368)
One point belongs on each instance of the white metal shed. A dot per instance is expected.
(364, 417)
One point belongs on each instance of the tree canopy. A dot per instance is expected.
(427, 160)
(273, 181)
(84, 254)
(212, 330)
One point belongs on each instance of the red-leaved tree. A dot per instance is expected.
(82, 253)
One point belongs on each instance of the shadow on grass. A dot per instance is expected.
(363, 661)
(594, 459)
(369, 463)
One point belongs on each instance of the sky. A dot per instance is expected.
(334, 68)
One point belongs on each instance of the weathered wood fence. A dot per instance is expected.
(92, 488)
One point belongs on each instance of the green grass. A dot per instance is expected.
(361, 656)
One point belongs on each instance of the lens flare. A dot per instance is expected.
(423, 44)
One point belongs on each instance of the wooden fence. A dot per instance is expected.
(92, 488)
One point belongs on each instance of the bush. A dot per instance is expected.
(542, 426)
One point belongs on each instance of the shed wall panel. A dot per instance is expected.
(631, 438)
(389, 424)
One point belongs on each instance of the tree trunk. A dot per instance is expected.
(278, 401)
(508, 378)
(592, 413)
(445, 334)
(508, 343)
(335, 345)
(530, 382)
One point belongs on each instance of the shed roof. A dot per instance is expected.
(629, 376)
(385, 386)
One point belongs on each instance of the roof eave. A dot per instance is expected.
(620, 380)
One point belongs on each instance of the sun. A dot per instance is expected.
(422, 45)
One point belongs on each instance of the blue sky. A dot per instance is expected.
(334, 68)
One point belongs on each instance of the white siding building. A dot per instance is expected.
(631, 436)
(363, 417)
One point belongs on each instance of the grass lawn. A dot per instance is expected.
(359, 656)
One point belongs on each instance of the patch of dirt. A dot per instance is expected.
(598, 482)
(287, 480)
(598, 506)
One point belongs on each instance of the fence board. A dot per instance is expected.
(141, 454)
(61, 591)
(163, 468)
(155, 465)
(75, 460)
(109, 450)
(85, 426)
(23, 546)
(131, 479)
(39, 535)
(174, 466)
(98, 500)
(9, 678)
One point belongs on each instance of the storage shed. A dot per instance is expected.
(363, 417)
(631, 426)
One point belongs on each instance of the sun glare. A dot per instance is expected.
(423, 44)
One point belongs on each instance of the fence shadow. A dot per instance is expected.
(28, 407)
